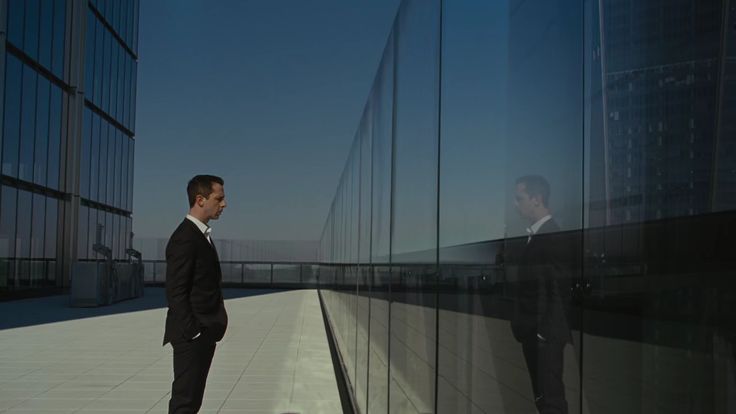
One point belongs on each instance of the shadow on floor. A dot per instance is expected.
(50, 309)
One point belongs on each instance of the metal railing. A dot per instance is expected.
(249, 273)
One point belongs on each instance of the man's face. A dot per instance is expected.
(524, 203)
(215, 203)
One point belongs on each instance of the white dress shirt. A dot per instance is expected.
(205, 229)
(534, 228)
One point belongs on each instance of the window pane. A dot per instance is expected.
(82, 248)
(131, 159)
(106, 71)
(92, 233)
(46, 35)
(55, 136)
(38, 226)
(30, 41)
(660, 262)
(99, 42)
(84, 162)
(119, 142)
(125, 90)
(52, 218)
(59, 41)
(8, 220)
(11, 129)
(23, 234)
(104, 143)
(112, 146)
(15, 22)
(28, 124)
(94, 159)
(114, 79)
(42, 131)
(89, 55)
(124, 173)
(135, 94)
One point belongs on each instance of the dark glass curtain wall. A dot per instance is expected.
(538, 209)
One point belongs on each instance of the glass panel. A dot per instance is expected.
(119, 157)
(30, 39)
(84, 162)
(94, 158)
(52, 220)
(131, 156)
(361, 350)
(114, 79)
(27, 124)
(481, 366)
(38, 226)
(99, 42)
(57, 63)
(286, 273)
(106, 71)
(15, 22)
(89, 54)
(11, 127)
(135, 94)
(382, 112)
(257, 273)
(543, 192)
(23, 234)
(136, 25)
(379, 340)
(414, 238)
(8, 220)
(92, 233)
(104, 141)
(82, 248)
(107, 220)
(55, 137)
(42, 131)
(46, 35)
(124, 173)
(659, 263)
(111, 159)
(121, 85)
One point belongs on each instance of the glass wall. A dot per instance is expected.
(36, 149)
(552, 186)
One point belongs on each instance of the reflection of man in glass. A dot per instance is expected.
(540, 319)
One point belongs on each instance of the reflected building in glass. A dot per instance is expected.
(68, 120)
(449, 288)
(668, 137)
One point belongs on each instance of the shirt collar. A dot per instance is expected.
(534, 228)
(205, 229)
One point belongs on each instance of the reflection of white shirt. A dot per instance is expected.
(534, 228)
(205, 229)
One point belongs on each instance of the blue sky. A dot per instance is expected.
(266, 94)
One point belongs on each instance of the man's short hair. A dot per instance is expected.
(201, 185)
(536, 186)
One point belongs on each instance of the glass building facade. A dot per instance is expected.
(438, 297)
(68, 120)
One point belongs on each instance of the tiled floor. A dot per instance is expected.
(274, 358)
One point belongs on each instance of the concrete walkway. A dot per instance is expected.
(55, 359)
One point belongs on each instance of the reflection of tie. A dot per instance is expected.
(207, 234)
(530, 233)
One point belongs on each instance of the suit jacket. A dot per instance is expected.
(545, 272)
(193, 291)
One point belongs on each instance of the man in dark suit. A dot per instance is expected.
(541, 311)
(196, 318)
